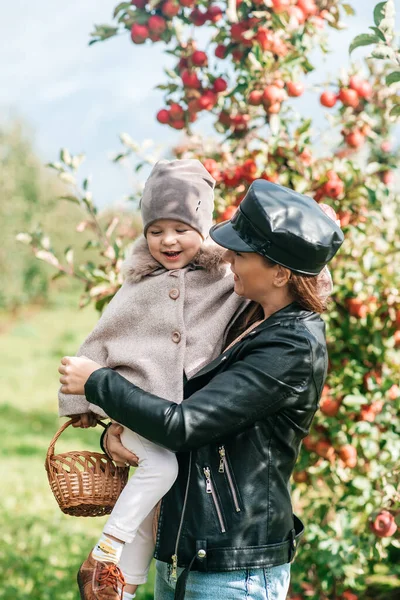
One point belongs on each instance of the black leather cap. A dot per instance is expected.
(282, 225)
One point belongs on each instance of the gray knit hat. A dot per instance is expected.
(182, 190)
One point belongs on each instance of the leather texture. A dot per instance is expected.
(237, 436)
(282, 225)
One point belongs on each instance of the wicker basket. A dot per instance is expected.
(85, 484)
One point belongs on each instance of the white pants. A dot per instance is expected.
(132, 517)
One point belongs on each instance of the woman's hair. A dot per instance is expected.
(304, 290)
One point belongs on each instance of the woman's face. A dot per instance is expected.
(254, 278)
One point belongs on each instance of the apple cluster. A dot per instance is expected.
(152, 20)
(200, 91)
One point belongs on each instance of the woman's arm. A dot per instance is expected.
(269, 378)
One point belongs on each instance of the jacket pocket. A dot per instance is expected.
(211, 490)
(225, 468)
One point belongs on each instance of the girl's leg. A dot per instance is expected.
(136, 556)
(154, 476)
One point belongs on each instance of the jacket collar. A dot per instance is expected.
(141, 263)
(291, 311)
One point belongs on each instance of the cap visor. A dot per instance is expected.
(224, 235)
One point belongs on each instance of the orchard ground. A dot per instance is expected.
(41, 548)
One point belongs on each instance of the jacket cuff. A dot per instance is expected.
(92, 386)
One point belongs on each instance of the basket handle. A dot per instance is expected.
(63, 427)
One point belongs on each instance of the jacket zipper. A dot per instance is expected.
(224, 468)
(210, 490)
(174, 557)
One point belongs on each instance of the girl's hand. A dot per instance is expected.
(75, 372)
(84, 420)
(114, 447)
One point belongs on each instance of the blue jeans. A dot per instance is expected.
(270, 583)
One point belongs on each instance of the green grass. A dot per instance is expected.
(41, 548)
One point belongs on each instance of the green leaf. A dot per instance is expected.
(120, 6)
(170, 73)
(58, 275)
(395, 112)
(378, 33)
(393, 78)
(364, 39)
(379, 13)
(349, 10)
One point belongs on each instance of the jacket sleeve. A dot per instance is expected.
(268, 378)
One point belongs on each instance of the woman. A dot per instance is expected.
(227, 527)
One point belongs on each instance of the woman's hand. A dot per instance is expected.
(75, 372)
(114, 447)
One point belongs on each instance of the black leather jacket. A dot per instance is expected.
(237, 436)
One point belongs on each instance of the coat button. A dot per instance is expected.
(201, 554)
(174, 293)
(176, 337)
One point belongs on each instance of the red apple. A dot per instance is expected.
(329, 406)
(157, 24)
(328, 99)
(176, 112)
(333, 188)
(295, 88)
(199, 58)
(348, 454)
(208, 100)
(197, 17)
(139, 3)
(255, 97)
(357, 307)
(220, 51)
(170, 9)
(324, 449)
(214, 13)
(139, 33)
(163, 116)
(348, 97)
(177, 124)
(190, 79)
(300, 476)
(272, 94)
(384, 524)
(219, 85)
(355, 139)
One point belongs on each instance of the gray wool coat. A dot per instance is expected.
(162, 324)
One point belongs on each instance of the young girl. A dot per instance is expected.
(166, 322)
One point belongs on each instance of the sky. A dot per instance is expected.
(81, 97)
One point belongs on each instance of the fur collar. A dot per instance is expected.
(141, 263)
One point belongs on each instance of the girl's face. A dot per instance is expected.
(173, 243)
